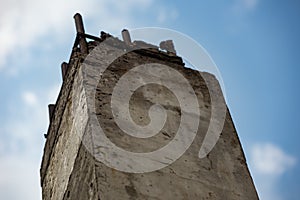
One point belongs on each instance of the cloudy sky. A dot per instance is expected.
(255, 44)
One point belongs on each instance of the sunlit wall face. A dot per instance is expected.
(254, 43)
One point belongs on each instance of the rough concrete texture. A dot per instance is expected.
(70, 171)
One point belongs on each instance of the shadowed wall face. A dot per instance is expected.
(75, 161)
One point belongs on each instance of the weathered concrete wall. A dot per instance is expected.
(70, 170)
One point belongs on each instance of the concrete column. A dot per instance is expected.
(126, 36)
(168, 46)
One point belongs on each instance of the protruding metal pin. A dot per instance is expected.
(126, 36)
(51, 110)
(64, 68)
(80, 31)
(104, 35)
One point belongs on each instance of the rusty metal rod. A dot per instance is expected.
(79, 35)
(64, 67)
(92, 37)
(80, 29)
(51, 110)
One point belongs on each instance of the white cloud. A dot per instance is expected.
(20, 155)
(267, 163)
(53, 93)
(237, 15)
(244, 5)
(249, 4)
(28, 23)
(19, 178)
(270, 159)
(27, 123)
(29, 98)
(165, 14)
(24, 22)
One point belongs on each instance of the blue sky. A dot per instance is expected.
(255, 44)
